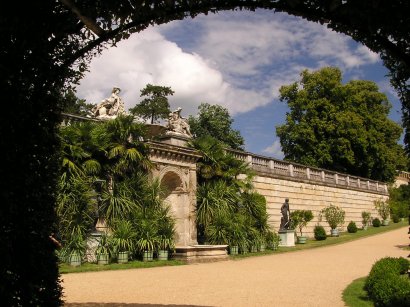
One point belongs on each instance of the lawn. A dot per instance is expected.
(355, 296)
(343, 238)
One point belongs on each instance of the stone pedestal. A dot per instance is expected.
(287, 237)
(201, 253)
(173, 138)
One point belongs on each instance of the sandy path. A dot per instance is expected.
(313, 277)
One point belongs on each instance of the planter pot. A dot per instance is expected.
(148, 256)
(302, 240)
(244, 250)
(122, 257)
(162, 255)
(75, 260)
(254, 249)
(385, 222)
(103, 258)
(262, 248)
(334, 232)
(233, 250)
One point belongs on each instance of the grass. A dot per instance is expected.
(311, 243)
(343, 238)
(65, 268)
(355, 296)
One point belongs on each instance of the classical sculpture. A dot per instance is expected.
(110, 107)
(178, 124)
(285, 220)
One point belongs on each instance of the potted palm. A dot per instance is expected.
(335, 216)
(300, 218)
(366, 219)
(123, 240)
(164, 245)
(74, 251)
(166, 233)
(103, 250)
(383, 208)
(147, 239)
(272, 240)
(237, 236)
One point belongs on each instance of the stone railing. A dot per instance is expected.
(293, 171)
(67, 119)
(404, 175)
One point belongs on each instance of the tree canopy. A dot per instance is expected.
(342, 127)
(155, 105)
(46, 47)
(215, 121)
(73, 105)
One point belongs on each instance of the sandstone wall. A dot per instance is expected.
(311, 196)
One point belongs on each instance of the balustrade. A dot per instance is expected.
(291, 170)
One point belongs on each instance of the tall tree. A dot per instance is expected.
(340, 127)
(215, 121)
(155, 105)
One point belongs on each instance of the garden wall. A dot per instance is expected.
(312, 189)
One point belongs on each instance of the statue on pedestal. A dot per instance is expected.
(285, 220)
(110, 107)
(178, 124)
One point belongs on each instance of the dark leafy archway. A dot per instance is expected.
(45, 47)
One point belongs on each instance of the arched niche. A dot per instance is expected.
(172, 183)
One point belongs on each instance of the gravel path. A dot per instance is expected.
(314, 277)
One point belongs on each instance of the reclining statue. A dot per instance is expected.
(178, 124)
(110, 107)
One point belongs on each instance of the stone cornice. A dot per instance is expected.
(172, 152)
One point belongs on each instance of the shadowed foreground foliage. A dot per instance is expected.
(46, 47)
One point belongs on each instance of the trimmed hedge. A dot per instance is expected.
(320, 233)
(352, 228)
(387, 283)
(376, 222)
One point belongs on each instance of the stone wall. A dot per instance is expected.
(314, 197)
(312, 189)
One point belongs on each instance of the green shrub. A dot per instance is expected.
(386, 286)
(396, 219)
(352, 228)
(376, 222)
(320, 233)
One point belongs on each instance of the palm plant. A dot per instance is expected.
(214, 198)
(218, 231)
(78, 148)
(123, 237)
(117, 204)
(125, 150)
(74, 249)
(166, 230)
(216, 163)
(147, 235)
(76, 207)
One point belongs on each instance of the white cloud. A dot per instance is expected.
(274, 150)
(149, 58)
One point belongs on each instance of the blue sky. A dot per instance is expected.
(236, 59)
